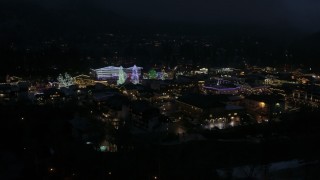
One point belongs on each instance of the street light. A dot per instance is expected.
(262, 104)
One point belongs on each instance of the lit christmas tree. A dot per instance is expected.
(65, 81)
(163, 75)
(61, 81)
(152, 74)
(135, 75)
(122, 76)
(68, 80)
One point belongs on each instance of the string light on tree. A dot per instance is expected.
(152, 74)
(65, 81)
(135, 75)
(163, 75)
(122, 76)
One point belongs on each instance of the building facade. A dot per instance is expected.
(112, 72)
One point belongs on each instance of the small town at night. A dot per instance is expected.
(168, 90)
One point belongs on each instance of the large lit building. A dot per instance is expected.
(83, 81)
(112, 72)
(220, 86)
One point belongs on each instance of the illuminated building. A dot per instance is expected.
(202, 71)
(112, 73)
(220, 86)
(83, 81)
(307, 94)
(221, 71)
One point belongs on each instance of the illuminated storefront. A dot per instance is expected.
(112, 72)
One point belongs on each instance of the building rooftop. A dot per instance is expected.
(204, 101)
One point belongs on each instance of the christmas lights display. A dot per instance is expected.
(163, 75)
(112, 72)
(134, 75)
(65, 81)
(152, 74)
(122, 76)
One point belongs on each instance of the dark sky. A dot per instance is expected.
(301, 14)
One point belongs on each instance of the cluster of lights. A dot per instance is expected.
(112, 72)
(122, 76)
(65, 81)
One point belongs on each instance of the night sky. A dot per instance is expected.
(300, 14)
(289, 24)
